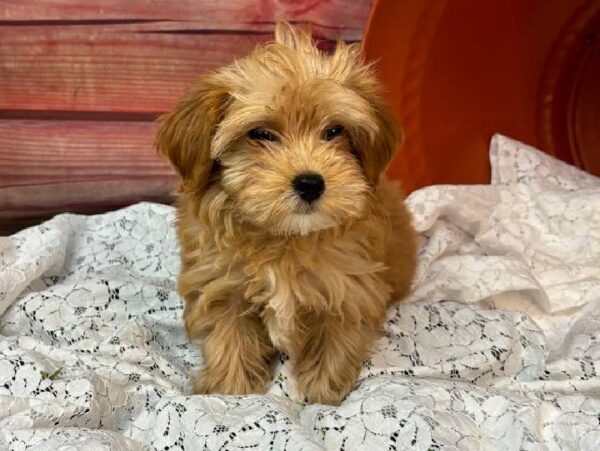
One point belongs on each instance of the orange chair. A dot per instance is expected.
(459, 71)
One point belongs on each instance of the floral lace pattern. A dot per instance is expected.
(498, 347)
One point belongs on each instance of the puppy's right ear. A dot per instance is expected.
(184, 135)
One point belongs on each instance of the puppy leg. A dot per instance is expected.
(236, 348)
(329, 357)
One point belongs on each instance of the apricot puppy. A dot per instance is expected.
(290, 239)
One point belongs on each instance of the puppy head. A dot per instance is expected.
(289, 139)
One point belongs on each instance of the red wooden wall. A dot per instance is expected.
(81, 82)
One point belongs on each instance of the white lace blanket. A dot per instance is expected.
(499, 348)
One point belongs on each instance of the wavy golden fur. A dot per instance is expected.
(262, 269)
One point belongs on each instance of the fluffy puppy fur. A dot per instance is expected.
(262, 269)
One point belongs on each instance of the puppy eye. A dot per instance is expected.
(333, 131)
(261, 134)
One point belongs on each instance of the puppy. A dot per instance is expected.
(290, 238)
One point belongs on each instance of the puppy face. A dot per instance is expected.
(288, 139)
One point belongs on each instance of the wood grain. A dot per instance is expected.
(106, 68)
(347, 16)
(120, 68)
(73, 165)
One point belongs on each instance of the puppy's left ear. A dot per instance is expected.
(380, 136)
(185, 134)
(378, 155)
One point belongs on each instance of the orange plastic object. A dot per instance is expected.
(458, 71)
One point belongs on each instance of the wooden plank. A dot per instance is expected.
(348, 16)
(110, 68)
(106, 68)
(52, 166)
(134, 66)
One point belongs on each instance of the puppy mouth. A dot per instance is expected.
(304, 223)
(305, 208)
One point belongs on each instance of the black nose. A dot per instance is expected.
(309, 186)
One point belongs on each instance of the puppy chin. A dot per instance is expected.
(304, 223)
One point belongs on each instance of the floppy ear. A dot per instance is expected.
(383, 146)
(375, 139)
(377, 147)
(184, 135)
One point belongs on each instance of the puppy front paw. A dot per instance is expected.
(320, 385)
(237, 354)
(230, 381)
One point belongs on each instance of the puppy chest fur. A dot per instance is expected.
(323, 280)
(343, 276)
